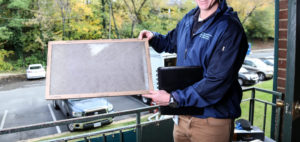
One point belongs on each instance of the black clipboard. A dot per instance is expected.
(179, 77)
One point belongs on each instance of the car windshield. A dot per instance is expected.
(268, 62)
(259, 63)
(35, 67)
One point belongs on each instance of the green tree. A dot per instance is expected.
(257, 17)
(260, 25)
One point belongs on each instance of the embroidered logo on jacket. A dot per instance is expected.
(205, 36)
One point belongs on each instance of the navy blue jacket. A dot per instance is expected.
(219, 47)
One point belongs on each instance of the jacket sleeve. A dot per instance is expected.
(222, 71)
(165, 43)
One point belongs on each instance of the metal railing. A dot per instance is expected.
(138, 112)
(278, 105)
(86, 119)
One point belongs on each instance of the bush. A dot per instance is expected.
(4, 66)
(33, 59)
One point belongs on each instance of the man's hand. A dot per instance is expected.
(160, 97)
(145, 34)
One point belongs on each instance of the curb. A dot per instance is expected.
(5, 79)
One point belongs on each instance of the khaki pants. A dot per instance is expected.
(192, 129)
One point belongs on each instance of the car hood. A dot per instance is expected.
(89, 104)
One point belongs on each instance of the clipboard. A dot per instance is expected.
(179, 77)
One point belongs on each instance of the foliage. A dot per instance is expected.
(33, 59)
(4, 33)
(26, 26)
(4, 66)
(16, 4)
(258, 26)
(257, 17)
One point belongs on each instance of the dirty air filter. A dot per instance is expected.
(96, 68)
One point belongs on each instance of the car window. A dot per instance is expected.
(35, 67)
(267, 62)
(252, 64)
(246, 62)
(259, 63)
(249, 63)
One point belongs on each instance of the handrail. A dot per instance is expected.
(106, 131)
(277, 94)
(73, 120)
(265, 102)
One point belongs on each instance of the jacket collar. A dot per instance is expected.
(221, 9)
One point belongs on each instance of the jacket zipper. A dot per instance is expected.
(186, 49)
(185, 53)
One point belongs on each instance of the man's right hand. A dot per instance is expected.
(145, 34)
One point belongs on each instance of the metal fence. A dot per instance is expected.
(277, 105)
(138, 112)
(84, 119)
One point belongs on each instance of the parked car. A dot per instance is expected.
(247, 78)
(268, 61)
(263, 70)
(35, 71)
(73, 108)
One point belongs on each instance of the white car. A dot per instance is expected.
(35, 71)
(263, 70)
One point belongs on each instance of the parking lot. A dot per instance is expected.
(23, 103)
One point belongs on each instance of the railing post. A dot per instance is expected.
(265, 116)
(138, 127)
(251, 110)
(278, 121)
(104, 137)
(121, 136)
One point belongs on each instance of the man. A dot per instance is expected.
(210, 36)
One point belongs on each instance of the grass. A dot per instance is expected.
(259, 107)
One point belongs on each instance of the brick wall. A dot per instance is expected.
(282, 45)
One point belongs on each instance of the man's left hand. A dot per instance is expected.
(160, 97)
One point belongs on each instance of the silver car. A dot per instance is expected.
(263, 70)
(73, 108)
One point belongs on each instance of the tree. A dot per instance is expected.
(134, 8)
(65, 11)
(259, 25)
(257, 17)
(245, 8)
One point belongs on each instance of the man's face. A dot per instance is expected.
(205, 4)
